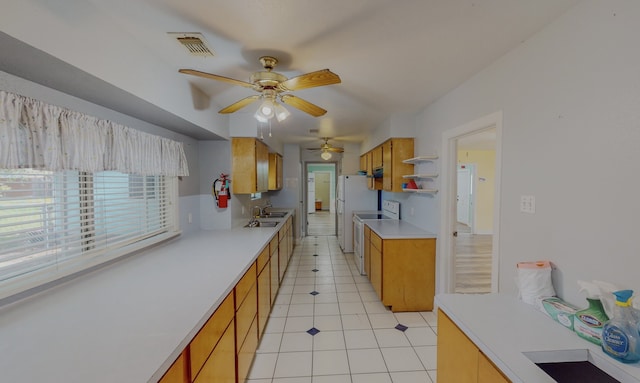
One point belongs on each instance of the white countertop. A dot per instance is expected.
(503, 328)
(397, 229)
(126, 322)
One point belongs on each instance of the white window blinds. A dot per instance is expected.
(50, 218)
(77, 191)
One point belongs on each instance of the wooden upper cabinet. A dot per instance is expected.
(249, 165)
(376, 156)
(394, 151)
(275, 171)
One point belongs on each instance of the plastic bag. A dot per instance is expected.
(534, 281)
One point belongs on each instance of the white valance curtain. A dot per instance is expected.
(37, 135)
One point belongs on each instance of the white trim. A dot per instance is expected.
(445, 266)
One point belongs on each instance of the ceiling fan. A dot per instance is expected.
(327, 148)
(272, 86)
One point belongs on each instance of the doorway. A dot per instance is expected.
(470, 207)
(320, 212)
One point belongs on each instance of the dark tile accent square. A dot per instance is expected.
(313, 331)
(315, 270)
(401, 327)
(315, 255)
(314, 293)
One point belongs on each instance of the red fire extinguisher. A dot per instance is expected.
(220, 190)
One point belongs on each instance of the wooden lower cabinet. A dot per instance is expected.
(224, 348)
(210, 334)
(487, 372)
(247, 351)
(220, 366)
(402, 271)
(264, 297)
(367, 250)
(275, 276)
(375, 268)
(178, 372)
(459, 360)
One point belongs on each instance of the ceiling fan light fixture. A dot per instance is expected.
(325, 155)
(281, 112)
(265, 111)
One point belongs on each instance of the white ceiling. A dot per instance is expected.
(393, 56)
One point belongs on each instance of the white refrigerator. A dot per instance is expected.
(353, 195)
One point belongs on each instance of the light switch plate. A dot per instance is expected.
(528, 204)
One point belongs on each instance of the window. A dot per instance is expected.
(56, 223)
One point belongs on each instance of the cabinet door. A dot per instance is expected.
(275, 171)
(363, 162)
(177, 373)
(488, 372)
(376, 266)
(408, 274)
(210, 334)
(367, 250)
(221, 365)
(369, 169)
(457, 355)
(283, 254)
(387, 175)
(246, 352)
(377, 157)
(243, 165)
(264, 297)
(401, 149)
(275, 276)
(262, 166)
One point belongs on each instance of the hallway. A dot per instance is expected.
(327, 325)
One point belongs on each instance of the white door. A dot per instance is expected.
(463, 206)
(311, 193)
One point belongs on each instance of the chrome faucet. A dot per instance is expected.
(253, 209)
(263, 210)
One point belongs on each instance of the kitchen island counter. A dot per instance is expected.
(397, 229)
(128, 321)
(504, 328)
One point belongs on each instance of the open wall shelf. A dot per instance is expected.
(421, 191)
(419, 159)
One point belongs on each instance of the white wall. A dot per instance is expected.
(571, 131)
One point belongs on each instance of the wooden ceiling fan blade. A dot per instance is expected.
(211, 76)
(239, 104)
(337, 150)
(318, 78)
(303, 105)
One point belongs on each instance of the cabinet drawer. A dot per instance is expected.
(220, 366)
(209, 335)
(246, 314)
(263, 258)
(246, 352)
(245, 284)
(274, 245)
(177, 373)
(376, 241)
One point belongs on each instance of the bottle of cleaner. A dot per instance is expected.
(588, 323)
(620, 333)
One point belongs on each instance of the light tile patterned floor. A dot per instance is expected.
(355, 341)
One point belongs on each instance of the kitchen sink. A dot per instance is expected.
(274, 214)
(578, 366)
(263, 224)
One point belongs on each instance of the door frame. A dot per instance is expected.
(448, 218)
(305, 194)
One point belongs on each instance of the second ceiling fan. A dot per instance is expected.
(274, 86)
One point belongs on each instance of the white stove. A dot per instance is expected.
(390, 210)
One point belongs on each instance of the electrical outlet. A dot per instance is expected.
(528, 204)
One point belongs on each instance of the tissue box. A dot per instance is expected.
(561, 311)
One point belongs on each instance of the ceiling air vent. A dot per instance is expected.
(194, 42)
